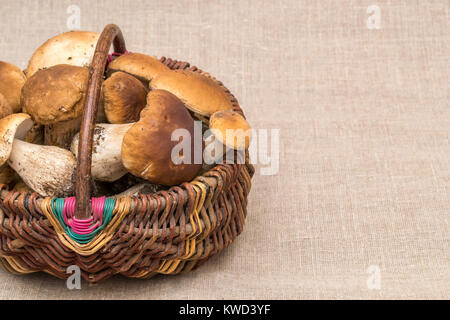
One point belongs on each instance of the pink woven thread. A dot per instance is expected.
(109, 59)
(84, 226)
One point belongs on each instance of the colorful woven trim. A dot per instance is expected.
(83, 231)
(121, 209)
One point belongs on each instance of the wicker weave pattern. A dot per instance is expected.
(164, 233)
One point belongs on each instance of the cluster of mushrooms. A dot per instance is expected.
(142, 102)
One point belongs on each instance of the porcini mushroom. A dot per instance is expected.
(147, 146)
(228, 131)
(21, 186)
(144, 188)
(46, 169)
(7, 175)
(231, 129)
(12, 80)
(124, 97)
(106, 151)
(74, 48)
(5, 108)
(200, 94)
(35, 134)
(55, 98)
(142, 66)
(144, 148)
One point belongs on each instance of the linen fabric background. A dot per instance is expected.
(364, 174)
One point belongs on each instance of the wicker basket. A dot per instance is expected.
(167, 232)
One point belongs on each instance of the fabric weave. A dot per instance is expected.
(362, 192)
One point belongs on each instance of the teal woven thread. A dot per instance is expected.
(57, 208)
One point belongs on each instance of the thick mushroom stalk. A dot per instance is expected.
(48, 170)
(106, 152)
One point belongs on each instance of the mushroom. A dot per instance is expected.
(55, 98)
(144, 188)
(5, 108)
(231, 128)
(228, 131)
(106, 151)
(147, 146)
(35, 134)
(144, 148)
(142, 66)
(202, 95)
(126, 182)
(124, 97)
(21, 186)
(7, 175)
(12, 80)
(74, 48)
(46, 169)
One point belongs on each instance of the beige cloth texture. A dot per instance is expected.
(362, 190)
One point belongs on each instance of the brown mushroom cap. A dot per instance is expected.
(230, 124)
(74, 48)
(124, 97)
(199, 93)
(5, 108)
(55, 94)
(147, 146)
(55, 98)
(12, 80)
(142, 66)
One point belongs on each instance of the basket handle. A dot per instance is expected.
(110, 35)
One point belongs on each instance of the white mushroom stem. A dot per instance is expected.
(214, 151)
(48, 170)
(106, 151)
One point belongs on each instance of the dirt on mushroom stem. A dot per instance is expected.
(98, 131)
